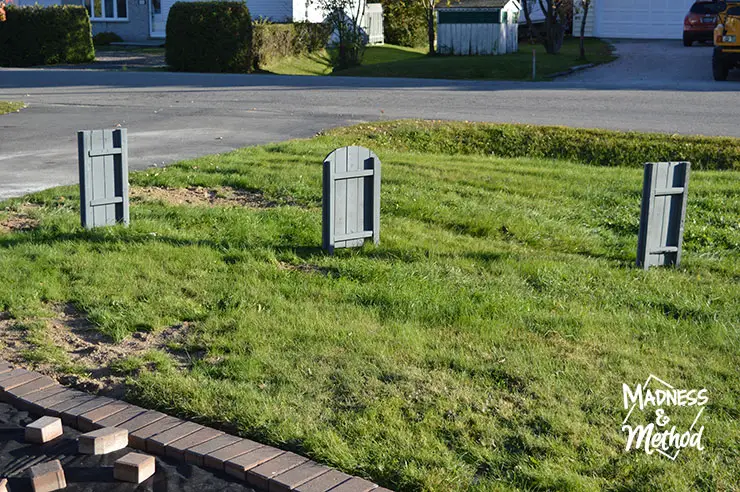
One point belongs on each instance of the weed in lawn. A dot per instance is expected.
(481, 346)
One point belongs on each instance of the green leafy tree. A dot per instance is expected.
(404, 22)
(345, 18)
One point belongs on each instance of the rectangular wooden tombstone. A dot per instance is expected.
(351, 201)
(664, 192)
(103, 161)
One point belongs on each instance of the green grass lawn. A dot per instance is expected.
(482, 346)
(396, 61)
(11, 106)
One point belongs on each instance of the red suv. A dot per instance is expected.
(700, 22)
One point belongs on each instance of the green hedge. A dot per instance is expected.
(45, 36)
(594, 147)
(106, 38)
(274, 41)
(209, 37)
(405, 23)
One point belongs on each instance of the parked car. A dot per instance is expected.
(699, 23)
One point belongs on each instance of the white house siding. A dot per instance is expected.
(578, 16)
(637, 19)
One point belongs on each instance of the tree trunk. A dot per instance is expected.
(586, 4)
(430, 30)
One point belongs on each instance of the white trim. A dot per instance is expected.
(104, 19)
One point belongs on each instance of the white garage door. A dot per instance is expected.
(641, 19)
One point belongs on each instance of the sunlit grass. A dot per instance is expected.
(481, 346)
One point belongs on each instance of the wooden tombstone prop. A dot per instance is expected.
(664, 192)
(351, 201)
(103, 161)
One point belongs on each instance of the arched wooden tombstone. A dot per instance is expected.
(351, 202)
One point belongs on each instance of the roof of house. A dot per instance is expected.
(471, 4)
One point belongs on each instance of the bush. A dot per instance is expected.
(405, 23)
(311, 37)
(274, 41)
(106, 38)
(45, 36)
(209, 37)
(594, 147)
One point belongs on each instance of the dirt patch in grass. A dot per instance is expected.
(84, 348)
(303, 267)
(199, 196)
(19, 219)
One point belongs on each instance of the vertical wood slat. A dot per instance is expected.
(351, 204)
(662, 214)
(103, 166)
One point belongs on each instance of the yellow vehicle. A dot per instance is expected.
(726, 40)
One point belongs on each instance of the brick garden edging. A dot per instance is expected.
(263, 467)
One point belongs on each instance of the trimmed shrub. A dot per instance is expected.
(209, 37)
(311, 37)
(45, 36)
(270, 42)
(405, 23)
(106, 38)
(593, 147)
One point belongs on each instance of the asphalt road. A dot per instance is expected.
(173, 116)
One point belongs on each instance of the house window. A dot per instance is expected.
(107, 9)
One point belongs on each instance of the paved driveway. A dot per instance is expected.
(173, 116)
(666, 62)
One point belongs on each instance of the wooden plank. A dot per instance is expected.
(353, 174)
(240, 465)
(107, 201)
(98, 180)
(156, 443)
(177, 448)
(104, 152)
(328, 199)
(353, 165)
(195, 454)
(121, 140)
(287, 481)
(354, 236)
(686, 171)
(83, 145)
(110, 178)
(340, 197)
(260, 475)
(376, 200)
(216, 459)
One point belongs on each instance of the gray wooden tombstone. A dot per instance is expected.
(664, 192)
(351, 202)
(103, 160)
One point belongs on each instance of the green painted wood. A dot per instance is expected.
(103, 168)
(662, 214)
(351, 198)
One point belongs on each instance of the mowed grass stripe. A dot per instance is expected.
(481, 346)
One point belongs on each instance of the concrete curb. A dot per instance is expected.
(571, 70)
(262, 467)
